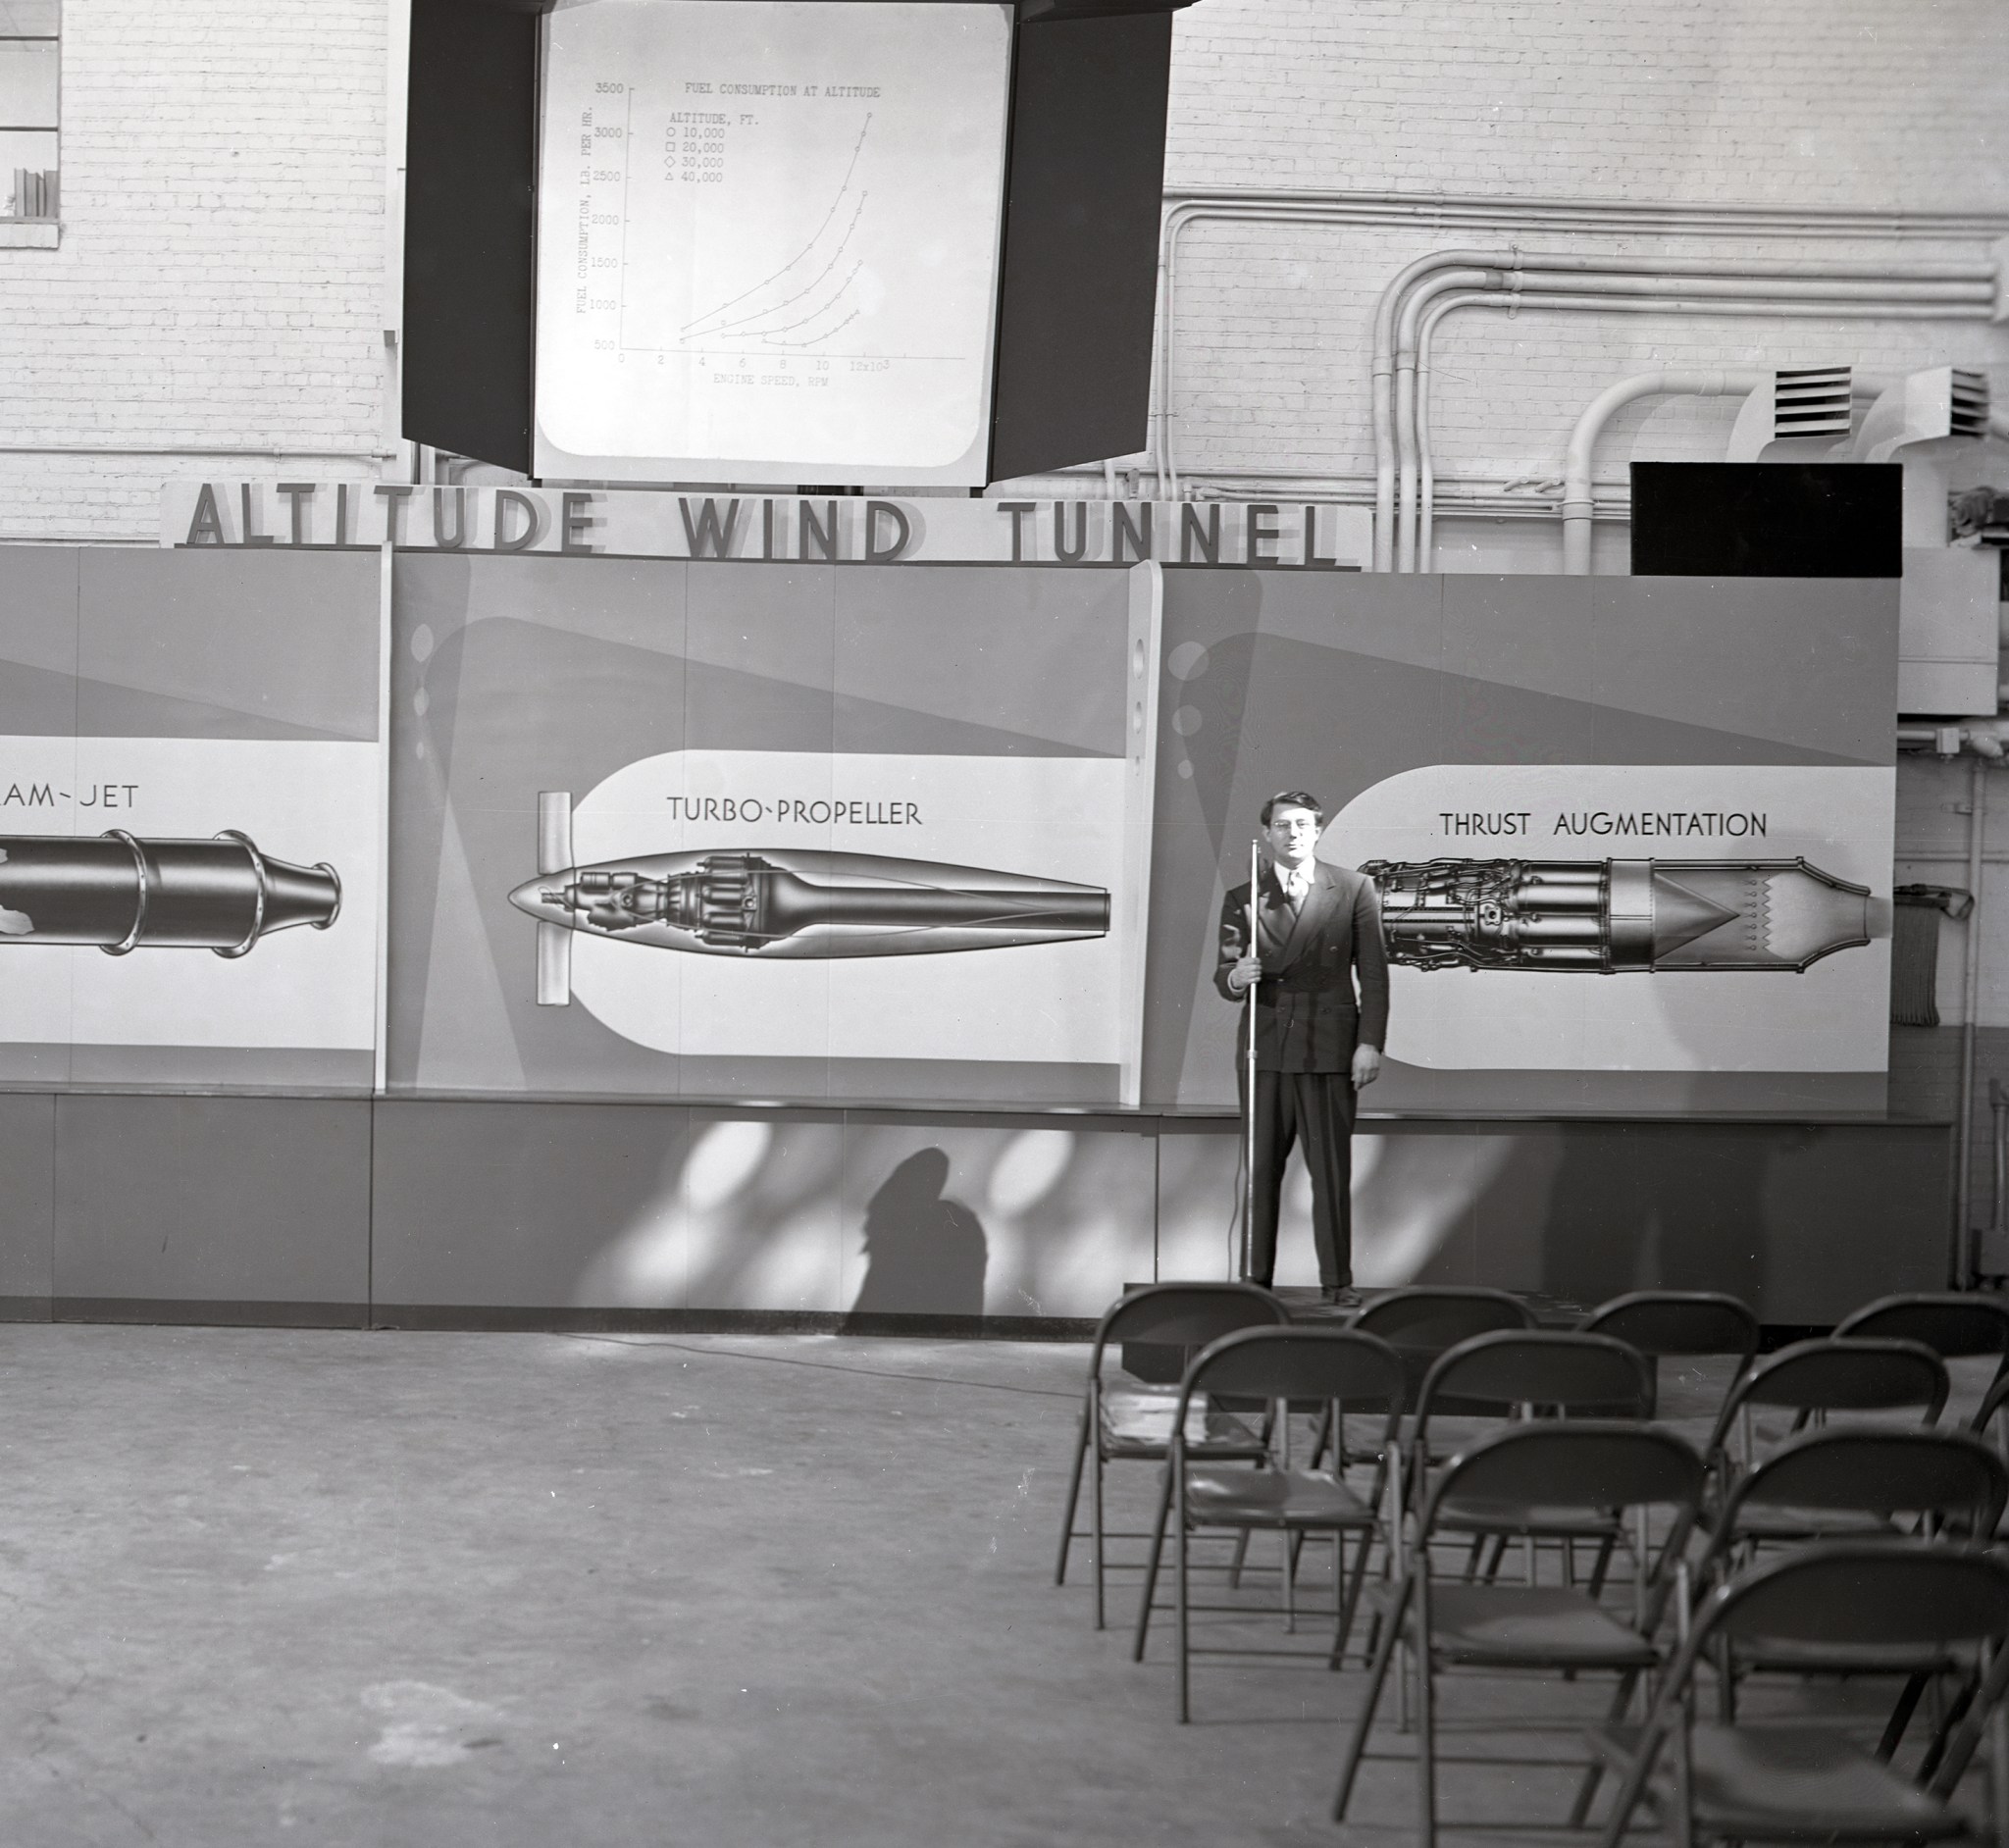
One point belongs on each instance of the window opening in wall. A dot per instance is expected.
(30, 59)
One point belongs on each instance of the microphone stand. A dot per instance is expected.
(1249, 1115)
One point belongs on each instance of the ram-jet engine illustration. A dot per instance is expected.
(124, 893)
(1612, 917)
(777, 904)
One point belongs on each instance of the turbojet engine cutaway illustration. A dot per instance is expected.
(786, 904)
(1611, 917)
(124, 893)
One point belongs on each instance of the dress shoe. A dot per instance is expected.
(1340, 1294)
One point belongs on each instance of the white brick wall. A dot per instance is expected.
(1794, 102)
(221, 277)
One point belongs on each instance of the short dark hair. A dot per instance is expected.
(1291, 799)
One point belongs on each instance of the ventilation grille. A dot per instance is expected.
(1970, 414)
(1814, 401)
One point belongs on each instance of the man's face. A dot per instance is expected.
(1292, 834)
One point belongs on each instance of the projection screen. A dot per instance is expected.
(768, 239)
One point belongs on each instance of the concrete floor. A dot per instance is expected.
(441, 1590)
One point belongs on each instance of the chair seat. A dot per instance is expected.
(1529, 1517)
(1272, 1497)
(1795, 1525)
(1137, 1422)
(1478, 1625)
(1796, 1784)
(1847, 1659)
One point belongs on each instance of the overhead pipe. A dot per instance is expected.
(1614, 304)
(1442, 211)
(1967, 285)
(1762, 282)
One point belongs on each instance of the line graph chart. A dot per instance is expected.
(768, 238)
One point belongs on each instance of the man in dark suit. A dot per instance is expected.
(1316, 1043)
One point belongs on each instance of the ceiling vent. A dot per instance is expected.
(1793, 402)
(1813, 401)
(1969, 410)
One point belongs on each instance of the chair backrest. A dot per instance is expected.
(1556, 1369)
(1434, 1317)
(1949, 1323)
(1584, 1464)
(1951, 1477)
(1677, 1322)
(1840, 1375)
(1186, 1314)
(1919, 1593)
(1359, 1370)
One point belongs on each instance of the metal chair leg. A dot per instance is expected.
(1179, 1555)
(1593, 1773)
(1096, 1498)
(1426, 1739)
(1157, 1548)
(1378, 1674)
(1073, 1500)
(1349, 1590)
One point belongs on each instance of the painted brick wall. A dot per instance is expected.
(1788, 103)
(220, 276)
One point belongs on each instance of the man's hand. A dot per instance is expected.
(1366, 1065)
(1244, 974)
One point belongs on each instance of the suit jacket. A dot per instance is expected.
(1307, 1015)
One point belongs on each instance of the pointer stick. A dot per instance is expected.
(1249, 1126)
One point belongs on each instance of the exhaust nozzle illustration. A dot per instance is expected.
(1611, 917)
(124, 893)
(788, 903)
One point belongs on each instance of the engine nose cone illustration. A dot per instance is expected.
(1611, 917)
(123, 894)
(784, 902)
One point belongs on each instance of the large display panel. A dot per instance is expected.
(768, 238)
(1632, 836)
(190, 820)
(811, 833)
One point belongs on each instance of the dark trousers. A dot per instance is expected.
(1315, 1108)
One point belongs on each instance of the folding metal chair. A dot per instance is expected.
(1524, 1475)
(1422, 1322)
(1283, 1367)
(1817, 1378)
(1954, 1323)
(1133, 1423)
(1516, 1373)
(1806, 1781)
(1855, 1485)
(1678, 1325)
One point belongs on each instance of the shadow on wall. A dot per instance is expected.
(1640, 1208)
(923, 1250)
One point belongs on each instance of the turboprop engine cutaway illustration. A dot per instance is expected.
(121, 893)
(786, 904)
(1611, 917)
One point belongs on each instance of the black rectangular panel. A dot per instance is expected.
(1768, 519)
(469, 196)
(1079, 274)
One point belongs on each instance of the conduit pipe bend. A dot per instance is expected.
(1836, 297)
(1552, 216)
(1577, 508)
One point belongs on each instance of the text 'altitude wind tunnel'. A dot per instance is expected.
(123, 894)
(786, 904)
(1612, 917)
